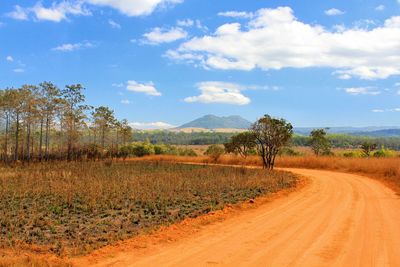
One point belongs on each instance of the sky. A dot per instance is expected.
(162, 63)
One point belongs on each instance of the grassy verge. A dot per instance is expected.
(384, 169)
(74, 208)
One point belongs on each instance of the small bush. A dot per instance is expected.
(384, 153)
(214, 152)
(143, 149)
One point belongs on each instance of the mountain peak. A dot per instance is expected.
(214, 122)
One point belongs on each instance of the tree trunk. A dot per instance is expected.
(6, 138)
(28, 140)
(41, 140)
(47, 137)
(16, 138)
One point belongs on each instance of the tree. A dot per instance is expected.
(104, 120)
(126, 131)
(50, 103)
(241, 144)
(271, 135)
(319, 142)
(367, 148)
(73, 99)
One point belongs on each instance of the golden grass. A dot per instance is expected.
(384, 169)
(74, 208)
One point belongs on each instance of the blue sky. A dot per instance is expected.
(166, 62)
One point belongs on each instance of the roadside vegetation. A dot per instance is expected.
(74, 208)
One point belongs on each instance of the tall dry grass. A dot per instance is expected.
(73, 208)
(384, 169)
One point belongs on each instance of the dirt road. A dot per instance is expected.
(338, 220)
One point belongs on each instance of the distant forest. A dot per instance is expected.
(207, 138)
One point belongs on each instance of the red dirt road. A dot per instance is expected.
(337, 220)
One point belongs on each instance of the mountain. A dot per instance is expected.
(215, 122)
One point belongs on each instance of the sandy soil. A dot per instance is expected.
(338, 219)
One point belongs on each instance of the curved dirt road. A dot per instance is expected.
(338, 220)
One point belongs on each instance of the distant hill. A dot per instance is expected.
(380, 133)
(215, 122)
(373, 131)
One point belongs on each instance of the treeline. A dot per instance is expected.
(207, 138)
(351, 141)
(45, 122)
(182, 138)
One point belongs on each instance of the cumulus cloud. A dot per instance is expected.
(114, 24)
(161, 35)
(134, 7)
(334, 12)
(236, 14)
(159, 125)
(9, 58)
(147, 88)
(72, 47)
(276, 39)
(125, 101)
(219, 92)
(380, 8)
(378, 110)
(19, 70)
(56, 12)
(362, 91)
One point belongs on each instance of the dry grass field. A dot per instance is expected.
(74, 208)
(385, 169)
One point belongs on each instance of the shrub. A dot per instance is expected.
(384, 153)
(214, 152)
(143, 149)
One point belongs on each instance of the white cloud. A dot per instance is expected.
(119, 85)
(114, 24)
(9, 58)
(200, 26)
(236, 14)
(60, 10)
(19, 70)
(19, 13)
(397, 84)
(56, 12)
(73, 47)
(159, 125)
(125, 101)
(334, 12)
(134, 7)
(386, 110)
(362, 91)
(185, 23)
(380, 8)
(276, 39)
(161, 35)
(147, 88)
(220, 92)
